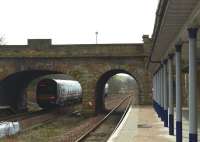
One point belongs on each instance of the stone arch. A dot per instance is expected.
(86, 72)
(14, 83)
(30, 71)
(13, 87)
(104, 77)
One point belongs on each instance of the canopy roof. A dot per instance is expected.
(171, 17)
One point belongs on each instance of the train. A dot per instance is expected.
(55, 92)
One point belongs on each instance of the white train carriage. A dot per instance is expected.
(56, 92)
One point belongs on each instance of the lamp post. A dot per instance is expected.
(96, 37)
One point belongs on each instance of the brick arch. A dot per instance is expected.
(12, 76)
(21, 77)
(104, 77)
(85, 70)
(13, 87)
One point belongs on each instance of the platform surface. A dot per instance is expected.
(141, 124)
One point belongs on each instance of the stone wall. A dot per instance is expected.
(84, 63)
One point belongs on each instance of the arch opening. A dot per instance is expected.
(101, 101)
(33, 92)
(13, 88)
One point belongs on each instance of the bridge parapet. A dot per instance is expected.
(90, 64)
(43, 48)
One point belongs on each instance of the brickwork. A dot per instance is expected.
(85, 63)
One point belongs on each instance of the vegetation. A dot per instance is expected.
(48, 133)
(121, 82)
(2, 40)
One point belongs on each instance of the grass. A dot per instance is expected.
(48, 132)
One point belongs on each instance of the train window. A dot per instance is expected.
(46, 88)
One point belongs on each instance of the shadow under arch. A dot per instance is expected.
(13, 86)
(100, 85)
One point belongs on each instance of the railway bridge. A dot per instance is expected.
(90, 64)
(168, 62)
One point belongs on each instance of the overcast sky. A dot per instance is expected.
(76, 21)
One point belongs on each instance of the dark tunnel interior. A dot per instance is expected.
(13, 87)
(99, 97)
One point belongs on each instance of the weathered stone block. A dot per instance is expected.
(39, 43)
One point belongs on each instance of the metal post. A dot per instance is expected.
(96, 33)
(171, 96)
(192, 85)
(155, 101)
(162, 93)
(159, 93)
(178, 94)
(165, 94)
(154, 94)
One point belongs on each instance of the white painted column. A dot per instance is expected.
(158, 94)
(159, 91)
(192, 85)
(178, 94)
(156, 101)
(154, 92)
(165, 88)
(162, 93)
(171, 95)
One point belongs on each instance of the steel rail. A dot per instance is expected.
(22, 116)
(124, 114)
(6, 118)
(101, 121)
(26, 115)
(39, 124)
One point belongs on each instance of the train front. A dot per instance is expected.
(46, 93)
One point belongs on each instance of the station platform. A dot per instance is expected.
(141, 124)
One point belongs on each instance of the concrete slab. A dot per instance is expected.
(128, 128)
(141, 124)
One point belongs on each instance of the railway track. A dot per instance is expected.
(28, 121)
(101, 136)
(84, 131)
(111, 102)
(78, 132)
(38, 119)
(21, 116)
(28, 124)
